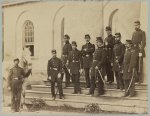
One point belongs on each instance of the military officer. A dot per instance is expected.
(97, 69)
(109, 44)
(54, 70)
(65, 51)
(76, 66)
(15, 81)
(87, 54)
(139, 41)
(118, 55)
(129, 69)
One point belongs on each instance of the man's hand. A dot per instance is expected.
(81, 70)
(106, 43)
(8, 88)
(59, 75)
(140, 54)
(111, 64)
(49, 78)
(129, 71)
(96, 68)
(85, 49)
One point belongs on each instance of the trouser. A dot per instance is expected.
(16, 90)
(67, 76)
(87, 77)
(120, 83)
(76, 80)
(100, 84)
(109, 72)
(131, 90)
(59, 87)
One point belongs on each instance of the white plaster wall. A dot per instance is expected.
(126, 15)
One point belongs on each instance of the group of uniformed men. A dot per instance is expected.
(111, 57)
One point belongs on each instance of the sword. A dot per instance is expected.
(131, 81)
(101, 77)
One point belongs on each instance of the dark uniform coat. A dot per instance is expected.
(118, 55)
(65, 52)
(75, 61)
(87, 54)
(109, 48)
(15, 81)
(130, 62)
(138, 37)
(15, 72)
(54, 67)
(99, 59)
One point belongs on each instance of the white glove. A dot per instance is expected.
(81, 70)
(59, 75)
(49, 77)
(9, 88)
(85, 49)
(140, 54)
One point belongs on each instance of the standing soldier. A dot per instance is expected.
(109, 44)
(54, 70)
(97, 69)
(87, 54)
(139, 42)
(129, 69)
(15, 80)
(118, 55)
(65, 51)
(75, 64)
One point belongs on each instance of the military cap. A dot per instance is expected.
(99, 39)
(87, 35)
(138, 22)
(118, 34)
(108, 28)
(16, 59)
(67, 36)
(74, 43)
(129, 41)
(53, 51)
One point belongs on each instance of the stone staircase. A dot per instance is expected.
(110, 101)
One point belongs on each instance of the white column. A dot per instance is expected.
(144, 27)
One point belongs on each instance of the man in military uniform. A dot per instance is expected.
(139, 42)
(129, 69)
(15, 81)
(97, 69)
(87, 54)
(109, 44)
(65, 51)
(54, 70)
(75, 64)
(118, 55)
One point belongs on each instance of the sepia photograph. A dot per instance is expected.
(74, 57)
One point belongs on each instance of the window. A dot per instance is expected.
(29, 36)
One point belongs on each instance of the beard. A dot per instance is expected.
(136, 28)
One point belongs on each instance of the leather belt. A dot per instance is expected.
(64, 55)
(75, 61)
(16, 78)
(94, 60)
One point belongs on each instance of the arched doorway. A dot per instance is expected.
(113, 20)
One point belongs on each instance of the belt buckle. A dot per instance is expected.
(87, 55)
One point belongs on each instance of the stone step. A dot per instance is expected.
(106, 104)
(110, 92)
(68, 95)
(141, 86)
